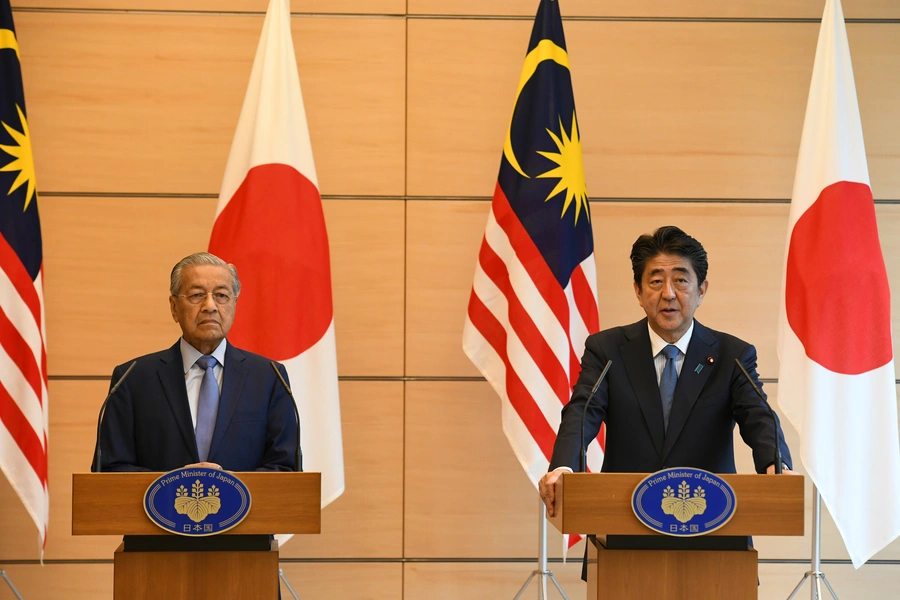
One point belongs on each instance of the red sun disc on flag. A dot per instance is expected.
(836, 289)
(273, 231)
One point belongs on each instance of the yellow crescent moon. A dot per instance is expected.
(545, 50)
(8, 41)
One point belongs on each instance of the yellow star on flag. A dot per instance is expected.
(23, 159)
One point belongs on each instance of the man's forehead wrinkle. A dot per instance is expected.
(198, 286)
(655, 270)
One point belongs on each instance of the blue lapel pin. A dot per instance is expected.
(698, 369)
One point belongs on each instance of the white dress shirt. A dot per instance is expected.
(659, 359)
(656, 347)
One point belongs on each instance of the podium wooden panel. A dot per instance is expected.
(670, 575)
(599, 504)
(220, 575)
(112, 504)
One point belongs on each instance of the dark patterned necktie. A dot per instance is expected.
(208, 407)
(668, 381)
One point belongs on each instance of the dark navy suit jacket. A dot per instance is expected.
(147, 425)
(711, 396)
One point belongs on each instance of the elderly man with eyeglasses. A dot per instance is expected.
(202, 402)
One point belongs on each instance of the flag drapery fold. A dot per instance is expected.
(534, 300)
(837, 381)
(270, 224)
(23, 356)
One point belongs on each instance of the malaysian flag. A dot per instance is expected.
(23, 357)
(534, 300)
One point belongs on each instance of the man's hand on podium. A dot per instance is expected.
(770, 470)
(205, 465)
(547, 488)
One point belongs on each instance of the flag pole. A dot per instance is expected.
(542, 573)
(287, 583)
(816, 575)
(10, 584)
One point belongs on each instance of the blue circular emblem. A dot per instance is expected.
(197, 501)
(683, 502)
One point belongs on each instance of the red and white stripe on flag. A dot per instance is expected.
(534, 299)
(837, 382)
(23, 356)
(23, 387)
(525, 334)
(270, 225)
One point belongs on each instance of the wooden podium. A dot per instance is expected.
(661, 567)
(242, 563)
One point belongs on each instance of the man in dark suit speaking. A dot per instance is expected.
(202, 402)
(673, 393)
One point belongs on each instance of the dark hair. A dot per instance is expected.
(668, 240)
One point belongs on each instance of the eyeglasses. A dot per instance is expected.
(220, 298)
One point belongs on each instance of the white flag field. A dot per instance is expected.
(837, 382)
(271, 225)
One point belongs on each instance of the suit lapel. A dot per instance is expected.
(171, 376)
(703, 346)
(637, 357)
(232, 383)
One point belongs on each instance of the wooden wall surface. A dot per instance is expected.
(690, 113)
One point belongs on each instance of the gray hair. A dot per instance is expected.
(197, 259)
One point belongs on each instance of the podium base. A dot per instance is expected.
(670, 574)
(195, 575)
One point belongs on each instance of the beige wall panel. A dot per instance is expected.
(667, 110)
(378, 7)
(54, 581)
(107, 264)
(853, 9)
(875, 49)
(486, 581)
(74, 406)
(745, 242)
(149, 103)
(777, 581)
(442, 243)
(106, 267)
(366, 521)
(465, 493)
(359, 581)
(367, 265)
(18, 535)
(461, 82)
(870, 9)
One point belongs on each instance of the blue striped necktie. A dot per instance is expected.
(668, 381)
(208, 407)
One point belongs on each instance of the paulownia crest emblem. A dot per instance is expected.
(197, 506)
(685, 506)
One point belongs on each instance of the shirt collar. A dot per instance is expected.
(657, 343)
(189, 354)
